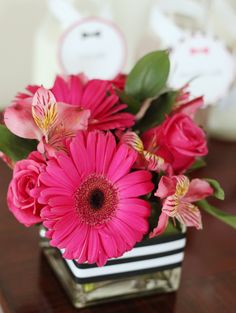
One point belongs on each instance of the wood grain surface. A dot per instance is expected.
(208, 282)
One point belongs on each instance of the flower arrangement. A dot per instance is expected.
(104, 164)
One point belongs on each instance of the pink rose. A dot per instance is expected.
(178, 140)
(24, 188)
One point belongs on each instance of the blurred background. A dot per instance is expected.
(102, 38)
(42, 38)
(19, 22)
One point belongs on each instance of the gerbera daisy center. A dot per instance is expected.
(96, 200)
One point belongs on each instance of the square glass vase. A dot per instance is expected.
(152, 266)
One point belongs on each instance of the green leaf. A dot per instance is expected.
(171, 229)
(157, 111)
(133, 104)
(199, 163)
(15, 147)
(218, 191)
(221, 215)
(149, 76)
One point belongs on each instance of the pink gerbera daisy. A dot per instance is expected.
(92, 209)
(96, 96)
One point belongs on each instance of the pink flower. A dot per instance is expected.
(190, 107)
(178, 140)
(18, 117)
(186, 105)
(22, 196)
(178, 195)
(119, 81)
(72, 104)
(99, 97)
(46, 120)
(91, 197)
(146, 159)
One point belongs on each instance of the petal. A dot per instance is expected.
(93, 246)
(68, 90)
(73, 117)
(44, 109)
(132, 140)
(190, 108)
(136, 190)
(52, 192)
(161, 226)
(63, 230)
(154, 162)
(79, 155)
(121, 245)
(54, 181)
(42, 98)
(182, 185)
(189, 215)
(105, 149)
(108, 242)
(69, 169)
(166, 187)
(104, 105)
(67, 201)
(94, 93)
(19, 120)
(130, 236)
(82, 252)
(135, 205)
(138, 223)
(134, 178)
(64, 171)
(118, 121)
(121, 163)
(198, 190)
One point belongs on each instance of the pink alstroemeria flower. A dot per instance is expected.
(178, 195)
(45, 119)
(146, 159)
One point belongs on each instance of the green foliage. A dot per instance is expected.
(157, 111)
(199, 163)
(171, 229)
(15, 147)
(133, 104)
(219, 214)
(148, 78)
(218, 191)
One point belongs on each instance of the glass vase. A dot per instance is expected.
(152, 266)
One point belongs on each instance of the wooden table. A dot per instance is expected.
(208, 284)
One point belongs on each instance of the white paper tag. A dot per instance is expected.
(205, 64)
(93, 46)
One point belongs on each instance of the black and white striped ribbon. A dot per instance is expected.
(146, 257)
